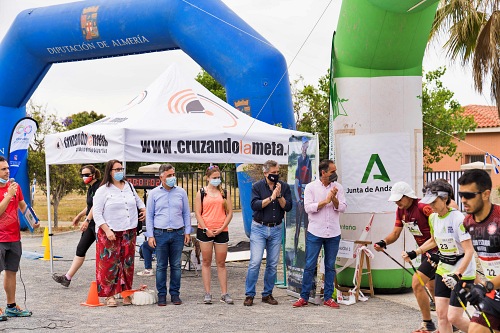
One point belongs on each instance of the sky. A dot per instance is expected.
(301, 30)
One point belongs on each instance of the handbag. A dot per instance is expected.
(140, 224)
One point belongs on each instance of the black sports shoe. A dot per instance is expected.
(62, 279)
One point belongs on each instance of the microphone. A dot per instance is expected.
(12, 180)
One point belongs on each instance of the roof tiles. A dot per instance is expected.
(485, 116)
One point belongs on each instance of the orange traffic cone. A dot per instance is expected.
(92, 298)
(45, 239)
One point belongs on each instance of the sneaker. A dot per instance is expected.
(248, 301)
(426, 327)
(433, 306)
(3, 317)
(62, 279)
(176, 300)
(207, 299)
(146, 272)
(226, 298)
(331, 303)
(300, 303)
(17, 312)
(269, 299)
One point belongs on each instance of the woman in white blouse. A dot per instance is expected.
(115, 215)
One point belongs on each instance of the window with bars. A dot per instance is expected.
(474, 158)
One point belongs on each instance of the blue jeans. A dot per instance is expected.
(313, 246)
(268, 238)
(169, 246)
(147, 254)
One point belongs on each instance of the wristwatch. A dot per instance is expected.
(489, 286)
(87, 220)
(205, 230)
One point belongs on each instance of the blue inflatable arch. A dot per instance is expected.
(233, 53)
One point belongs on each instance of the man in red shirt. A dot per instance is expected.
(413, 215)
(10, 239)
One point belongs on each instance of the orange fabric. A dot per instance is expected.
(213, 212)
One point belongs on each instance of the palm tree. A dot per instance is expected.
(474, 34)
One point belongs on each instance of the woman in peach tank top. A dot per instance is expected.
(213, 215)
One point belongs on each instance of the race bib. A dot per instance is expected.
(447, 246)
(491, 268)
(413, 228)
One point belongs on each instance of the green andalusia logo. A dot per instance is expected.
(375, 159)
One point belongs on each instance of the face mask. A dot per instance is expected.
(118, 176)
(87, 180)
(171, 181)
(3, 181)
(272, 177)
(215, 182)
(333, 177)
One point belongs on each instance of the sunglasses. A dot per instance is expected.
(118, 169)
(86, 174)
(469, 195)
(212, 167)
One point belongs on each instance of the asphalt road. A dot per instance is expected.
(58, 308)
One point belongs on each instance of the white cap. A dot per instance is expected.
(430, 196)
(400, 189)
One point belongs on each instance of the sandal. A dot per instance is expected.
(127, 301)
(111, 302)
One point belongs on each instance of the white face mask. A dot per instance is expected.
(3, 181)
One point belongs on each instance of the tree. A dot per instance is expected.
(211, 84)
(63, 178)
(81, 119)
(442, 116)
(474, 33)
(311, 108)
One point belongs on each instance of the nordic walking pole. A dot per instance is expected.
(407, 271)
(423, 284)
(466, 288)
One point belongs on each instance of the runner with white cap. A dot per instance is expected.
(414, 215)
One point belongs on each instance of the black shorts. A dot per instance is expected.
(441, 290)
(10, 256)
(426, 268)
(491, 309)
(222, 238)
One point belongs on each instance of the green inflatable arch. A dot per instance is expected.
(377, 58)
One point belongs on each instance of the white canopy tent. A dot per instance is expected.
(175, 119)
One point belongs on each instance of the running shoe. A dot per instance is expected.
(426, 327)
(226, 298)
(146, 272)
(17, 312)
(62, 279)
(207, 299)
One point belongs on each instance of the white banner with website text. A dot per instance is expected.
(371, 164)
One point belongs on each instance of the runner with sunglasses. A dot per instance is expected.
(90, 176)
(483, 224)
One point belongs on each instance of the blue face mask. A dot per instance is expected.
(215, 182)
(170, 181)
(118, 176)
(3, 181)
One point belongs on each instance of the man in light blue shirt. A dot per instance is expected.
(168, 228)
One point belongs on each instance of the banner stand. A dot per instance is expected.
(283, 284)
